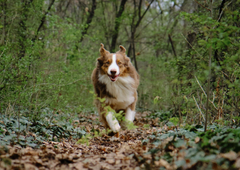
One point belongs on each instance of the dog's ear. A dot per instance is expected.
(122, 49)
(102, 50)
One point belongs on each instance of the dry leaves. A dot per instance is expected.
(124, 151)
(130, 149)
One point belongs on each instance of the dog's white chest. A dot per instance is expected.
(120, 103)
(121, 90)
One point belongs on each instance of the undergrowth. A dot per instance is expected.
(32, 132)
(192, 148)
(181, 147)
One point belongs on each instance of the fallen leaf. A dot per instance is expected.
(110, 160)
(118, 162)
(78, 165)
(197, 139)
(164, 163)
(237, 163)
(230, 155)
(30, 167)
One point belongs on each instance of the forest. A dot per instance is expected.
(185, 51)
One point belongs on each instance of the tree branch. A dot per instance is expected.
(202, 6)
(43, 20)
(89, 19)
(221, 9)
(140, 7)
(134, 28)
(140, 19)
(170, 39)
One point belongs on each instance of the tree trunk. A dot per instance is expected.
(89, 19)
(117, 25)
(22, 31)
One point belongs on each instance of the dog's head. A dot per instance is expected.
(114, 64)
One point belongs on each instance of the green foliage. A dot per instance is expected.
(85, 139)
(40, 71)
(22, 131)
(188, 71)
(222, 140)
(174, 120)
(195, 148)
(162, 115)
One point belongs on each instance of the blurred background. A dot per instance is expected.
(48, 49)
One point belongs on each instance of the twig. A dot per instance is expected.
(139, 19)
(205, 93)
(190, 44)
(227, 77)
(170, 39)
(2, 52)
(220, 15)
(202, 6)
(223, 98)
(213, 97)
(200, 86)
(148, 24)
(199, 108)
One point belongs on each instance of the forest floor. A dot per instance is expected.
(147, 146)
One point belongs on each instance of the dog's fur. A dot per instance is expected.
(116, 80)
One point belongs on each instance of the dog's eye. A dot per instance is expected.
(119, 63)
(107, 62)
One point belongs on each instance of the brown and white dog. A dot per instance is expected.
(116, 80)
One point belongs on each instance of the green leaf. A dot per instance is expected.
(202, 42)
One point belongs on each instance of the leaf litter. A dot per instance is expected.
(149, 146)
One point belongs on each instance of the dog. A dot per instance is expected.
(115, 82)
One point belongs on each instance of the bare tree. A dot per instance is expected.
(137, 14)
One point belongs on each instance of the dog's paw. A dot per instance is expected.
(116, 127)
(112, 122)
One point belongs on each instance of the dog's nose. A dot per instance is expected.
(113, 72)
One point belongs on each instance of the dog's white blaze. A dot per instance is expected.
(130, 115)
(112, 122)
(113, 65)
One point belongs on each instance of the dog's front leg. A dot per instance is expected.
(130, 115)
(112, 122)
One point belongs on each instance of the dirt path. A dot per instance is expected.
(98, 152)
